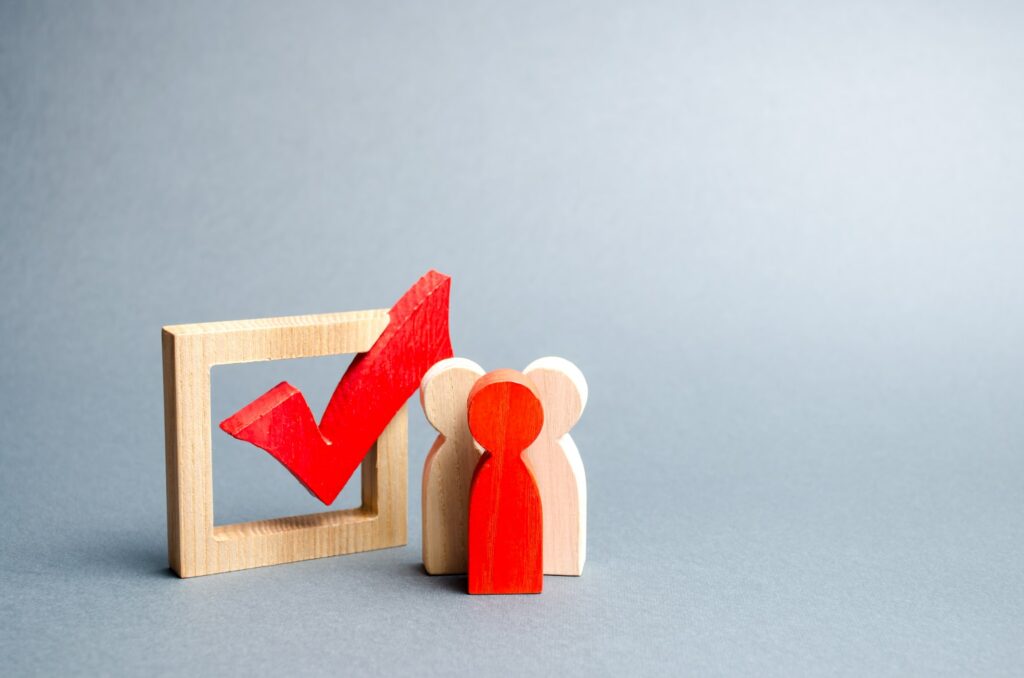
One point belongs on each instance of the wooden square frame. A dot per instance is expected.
(195, 545)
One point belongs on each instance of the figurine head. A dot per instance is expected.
(504, 412)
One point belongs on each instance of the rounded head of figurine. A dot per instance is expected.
(505, 412)
(443, 392)
(563, 392)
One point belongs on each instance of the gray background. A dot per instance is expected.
(782, 240)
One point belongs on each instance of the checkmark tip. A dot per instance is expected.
(237, 423)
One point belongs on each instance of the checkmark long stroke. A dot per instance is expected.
(370, 393)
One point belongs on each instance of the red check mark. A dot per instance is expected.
(370, 393)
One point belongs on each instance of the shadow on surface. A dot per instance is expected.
(124, 555)
(450, 582)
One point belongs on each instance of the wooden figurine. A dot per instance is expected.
(375, 386)
(505, 516)
(557, 466)
(448, 469)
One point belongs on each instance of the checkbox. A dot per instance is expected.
(196, 546)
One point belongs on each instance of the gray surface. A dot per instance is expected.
(783, 241)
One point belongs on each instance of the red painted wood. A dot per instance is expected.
(506, 526)
(370, 393)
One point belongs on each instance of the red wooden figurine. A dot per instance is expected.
(506, 527)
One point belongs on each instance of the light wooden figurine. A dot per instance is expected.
(557, 466)
(448, 469)
(505, 515)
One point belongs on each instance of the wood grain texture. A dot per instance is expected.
(505, 514)
(195, 545)
(448, 468)
(376, 384)
(557, 466)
